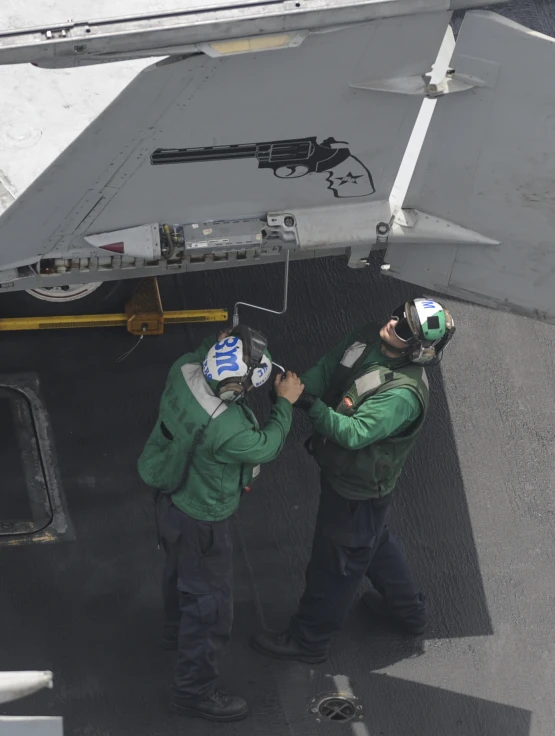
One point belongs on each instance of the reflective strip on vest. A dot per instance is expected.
(369, 382)
(352, 354)
(194, 378)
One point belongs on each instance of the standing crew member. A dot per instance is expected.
(202, 454)
(367, 399)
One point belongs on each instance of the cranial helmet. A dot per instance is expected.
(238, 362)
(425, 326)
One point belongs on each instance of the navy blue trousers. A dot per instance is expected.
(198, 601)
(351, 541)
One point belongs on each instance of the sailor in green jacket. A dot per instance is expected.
(204, 451)
(367, 400)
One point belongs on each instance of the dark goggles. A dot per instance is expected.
(402, 328)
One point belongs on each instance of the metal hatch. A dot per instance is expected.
(31, 502)
(488, 164)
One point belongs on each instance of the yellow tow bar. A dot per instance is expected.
(144, 315)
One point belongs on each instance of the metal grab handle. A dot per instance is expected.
(264, 309)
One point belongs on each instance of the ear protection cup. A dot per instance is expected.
(450, 327)
(421, 355)
(230, 390)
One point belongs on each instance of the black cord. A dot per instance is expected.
(199, 434)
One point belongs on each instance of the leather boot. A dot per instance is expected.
(280, 645)
(217, 706)
(376, 605)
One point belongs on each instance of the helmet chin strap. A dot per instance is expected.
(399, 352)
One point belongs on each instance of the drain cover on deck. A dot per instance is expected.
(336, 707)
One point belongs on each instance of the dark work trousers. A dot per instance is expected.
(198, 603)
(352, 540)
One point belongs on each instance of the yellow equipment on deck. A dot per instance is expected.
(144, 315)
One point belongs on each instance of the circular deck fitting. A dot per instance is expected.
(337, 707)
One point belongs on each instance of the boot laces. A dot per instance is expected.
(221, 697)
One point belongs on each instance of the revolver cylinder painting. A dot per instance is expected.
(346, 175)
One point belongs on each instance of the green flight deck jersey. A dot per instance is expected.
(227, 457)
(368, 415)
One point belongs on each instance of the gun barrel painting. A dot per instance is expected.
(346, 175)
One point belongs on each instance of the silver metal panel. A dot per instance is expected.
(31, 726)
(206, 236)
(105, 180)
(250, 257)
(488, 164)
(55, 39)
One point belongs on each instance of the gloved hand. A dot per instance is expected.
(305, 401)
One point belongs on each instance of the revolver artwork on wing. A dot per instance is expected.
(346, 175)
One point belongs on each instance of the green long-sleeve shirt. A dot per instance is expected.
(257, 446)
(225, 455)
(387, 414)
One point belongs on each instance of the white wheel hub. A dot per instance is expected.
(63, 294)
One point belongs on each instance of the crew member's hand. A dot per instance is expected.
(290, 387)
(224, 333)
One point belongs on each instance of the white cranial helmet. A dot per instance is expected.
(231, 371)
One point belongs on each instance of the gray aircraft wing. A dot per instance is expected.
(488, 164)
(214, 137)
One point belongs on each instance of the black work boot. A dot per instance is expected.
(376, 605)
(280, 645)
(217, 706)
